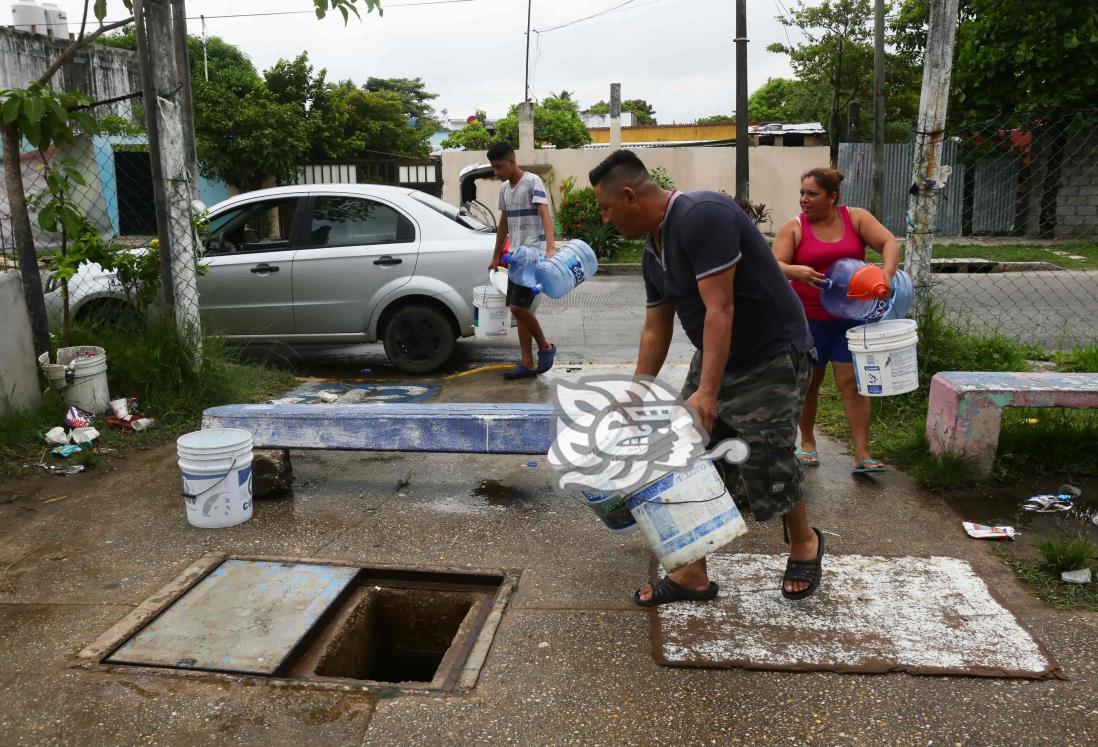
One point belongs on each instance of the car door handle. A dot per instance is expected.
(387, 260)
(264, 267)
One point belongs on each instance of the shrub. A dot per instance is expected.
(1067, 553)
(661, 177)
(756, 211)
(579, 218)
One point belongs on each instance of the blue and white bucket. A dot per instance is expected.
(217, 476)
(686, 515)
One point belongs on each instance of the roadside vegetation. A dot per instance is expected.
(155, 366)
(1067, 553)
(1031, 442)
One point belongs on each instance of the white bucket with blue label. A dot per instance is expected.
(686, 515)
(885, 359)
(217, 476)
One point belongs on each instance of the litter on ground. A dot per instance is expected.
(983, 531)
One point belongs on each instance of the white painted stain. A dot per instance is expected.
(918, 613)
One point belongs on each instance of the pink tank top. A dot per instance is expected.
(819, 255)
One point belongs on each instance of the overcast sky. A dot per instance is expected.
(676, 54)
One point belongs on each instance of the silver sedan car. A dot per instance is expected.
(331, 263)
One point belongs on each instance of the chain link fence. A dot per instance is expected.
(114, 193)
(1016, 240)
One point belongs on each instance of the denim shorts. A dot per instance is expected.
(830, 340)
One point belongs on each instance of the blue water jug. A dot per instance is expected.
(573, 263)
(867, 301)
(522, 266)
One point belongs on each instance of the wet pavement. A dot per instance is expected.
(571, 662)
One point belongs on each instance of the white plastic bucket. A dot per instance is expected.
(217, 476)
(491, 317)
(686, 515)
(611, 508)
(80, 375)
(885, 360)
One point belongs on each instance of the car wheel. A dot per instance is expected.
(108, 312)
(419, 339)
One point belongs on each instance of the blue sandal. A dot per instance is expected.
(868, 467)
(546, 358)
(520, 371)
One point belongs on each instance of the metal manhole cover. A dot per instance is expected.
(246, 616)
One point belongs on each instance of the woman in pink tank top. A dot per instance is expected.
(805, 247)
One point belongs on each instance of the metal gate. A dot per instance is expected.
(422, 174)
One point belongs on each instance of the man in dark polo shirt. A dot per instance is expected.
(706, 262)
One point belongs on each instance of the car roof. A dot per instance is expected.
(288, 190)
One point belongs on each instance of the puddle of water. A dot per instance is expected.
(496, 493)
(1001, 504)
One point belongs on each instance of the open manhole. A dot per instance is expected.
(316, 622)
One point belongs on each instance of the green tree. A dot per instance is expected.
(837, 55)
(556, 122)
(784, 100)
(473, 136)
(641, 109)
(717, 119)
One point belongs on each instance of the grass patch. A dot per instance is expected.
(627, 251)
(1060, 440)
(155, 366)
(1048, 587)
(1067, 553)
(1019, 253)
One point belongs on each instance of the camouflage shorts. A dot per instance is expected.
(762, 406)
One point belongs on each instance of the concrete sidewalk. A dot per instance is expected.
(571, 662)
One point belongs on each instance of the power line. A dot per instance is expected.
(288, 12)
(586, 18)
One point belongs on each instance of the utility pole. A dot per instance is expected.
(171, 170)
(529, 11)
(853, 117)
(743, 176)
(205, 58)
(183, 67)
(876, 198)
(928, 174)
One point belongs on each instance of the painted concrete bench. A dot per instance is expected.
(966, 408)
(456, 428)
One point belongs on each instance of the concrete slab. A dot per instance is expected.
(875, 614)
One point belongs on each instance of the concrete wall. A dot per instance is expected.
(18, 371)
(665, 133)
(775, 172)
(96, 71)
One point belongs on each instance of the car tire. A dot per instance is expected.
(419, 339)
(108, 312)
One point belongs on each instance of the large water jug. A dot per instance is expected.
(573, 263)
(853, 289)
(522, 266)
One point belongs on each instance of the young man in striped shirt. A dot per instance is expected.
(524, 217)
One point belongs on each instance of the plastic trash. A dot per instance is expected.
(56, 436)
(853, 289)
(983, 531)
(65, 451)
(142, 424)
(56, 469)
(327, 397)
(1047, 503)
(1081, 576)
(83, 435)
(77, 418)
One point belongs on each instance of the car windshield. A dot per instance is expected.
(451, 212)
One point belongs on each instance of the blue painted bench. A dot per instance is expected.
(966, 407)
(432, 427)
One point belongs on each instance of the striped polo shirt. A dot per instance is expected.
(520, 204)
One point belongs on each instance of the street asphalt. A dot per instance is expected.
(571, 662)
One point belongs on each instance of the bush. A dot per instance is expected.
(579, 218)
(661, 177)
(1067, 553)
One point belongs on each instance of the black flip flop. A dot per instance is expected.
(804, 570)
(665, 591)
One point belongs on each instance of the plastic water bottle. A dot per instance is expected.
(853, 289)
(522, 266)
(573, 263)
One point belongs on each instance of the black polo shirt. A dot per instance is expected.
(702, 234)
